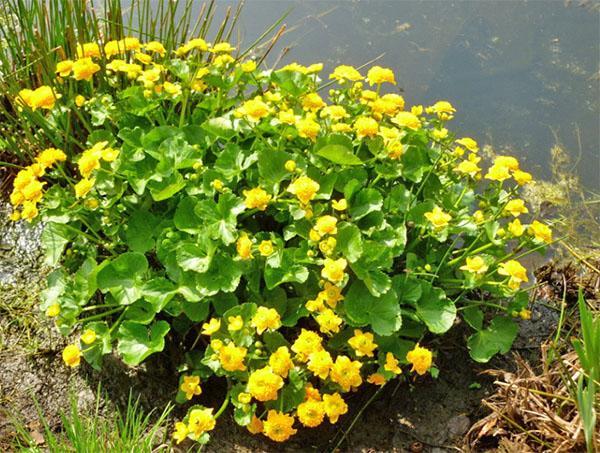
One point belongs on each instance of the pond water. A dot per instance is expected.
(517, 71)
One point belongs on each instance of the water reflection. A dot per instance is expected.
(514, 69)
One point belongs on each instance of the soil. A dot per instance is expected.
(414, 415)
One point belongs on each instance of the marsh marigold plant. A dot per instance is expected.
(298, 242)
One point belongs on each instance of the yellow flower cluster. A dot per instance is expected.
(28, 189)
(88, 162)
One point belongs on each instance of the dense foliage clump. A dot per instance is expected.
(301, 245)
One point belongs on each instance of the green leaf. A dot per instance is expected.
(167, 187)
(123, 271)
(407, 288)
(415, 163)
(435, 309)
(365, 201)
(136, 341)
(369, 268)
(292, 82)
(185, 218)
(349, 241)
(398, 199)
(223, 275)
(287, 271)
(220, 218)
(271, 166)
(140, 311)
(497, 338)
(233, 160)
(339, 154)
(381, 313)
(140, 231)
(219, 127)
(54, 239)
(195, 257)
(196, 311)
(159, 291)
(473, 316)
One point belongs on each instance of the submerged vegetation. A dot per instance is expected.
(294, 234)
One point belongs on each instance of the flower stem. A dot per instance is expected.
(224, 405)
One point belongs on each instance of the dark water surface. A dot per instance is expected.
(515, 70)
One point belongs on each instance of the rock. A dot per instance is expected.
(458, 425)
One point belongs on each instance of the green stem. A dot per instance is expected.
(224, 405)
(101, 315)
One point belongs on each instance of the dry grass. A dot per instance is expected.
(532, 409)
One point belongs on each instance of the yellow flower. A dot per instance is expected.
(88, 49)
(217, 184)
(235, 323)
(438, 218)
(232, 357)
(332, 294)
(64, 68)
(378, 75)
(143, 58)
(216, 344)
(222, 47)
(362, 343)
(278, 426)
(53, 310)
(541, 232)
(264, 383)
(265, 318)
(200, 421)
(328, 321)
(522, 177)
(83, 187)
(256, 198)
(304, 188)
(525, 314)
(311, 413)
(244, 247)
(326, 225)
(84, 69)
(248, 66)
(307, 343)
(316, 304)
(469, 167)
(327, 246)
(320, 363)
(444, 110)
(515, 271)
(273, 97)
(516, 228)
(308, 128)
(281, 361)
(254, 110)
(497, 173)
(23, 178)
(181, 432)
(155, 46)
(88, 336)
(516, 207)
(366, 127)
(334, 406)
(255, 426)
(312, 102)
(507, 161)
(393, 99)
(33, 191)
(341, 127)
(343, 73)
(210, 327)
(287, 117)
(16, 198)
(339, 205)
(407, 119)
(79, 100)
(311, 393)
(420, 358)
(391, 364)
(475, 265)
(440, 134)
(333, 270)
(30, 211)
(346, 373)
(191, 386)
(468, 143)
(335, 112)
(376, 379)
(71, 355)
(172, 89)
(41, 98)
(290, 165)
(265, 248)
